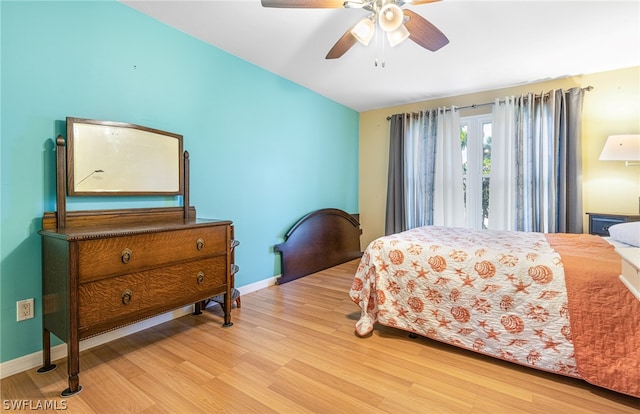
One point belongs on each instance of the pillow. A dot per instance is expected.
(626, 233)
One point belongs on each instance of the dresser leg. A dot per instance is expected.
(226, 308)
(46, 353)
(74, 387)
(73, 359)
(197, 308)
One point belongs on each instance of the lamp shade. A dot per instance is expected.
(363, 31)
(397, 36)
(621, 148)
(390, 17)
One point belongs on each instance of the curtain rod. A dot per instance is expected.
(473, 106)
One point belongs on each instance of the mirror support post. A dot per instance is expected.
(61, 183)
(186, 185)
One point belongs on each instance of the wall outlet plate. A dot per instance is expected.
(24, 309)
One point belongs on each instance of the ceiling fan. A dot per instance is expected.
(398, 24)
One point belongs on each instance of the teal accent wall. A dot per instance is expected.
(264, 151)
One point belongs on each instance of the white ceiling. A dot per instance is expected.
(493, 44)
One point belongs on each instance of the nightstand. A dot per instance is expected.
(599, 223)
(630, 269)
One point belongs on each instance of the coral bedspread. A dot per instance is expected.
(552, 302)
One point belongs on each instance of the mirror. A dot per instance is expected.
(113, 158)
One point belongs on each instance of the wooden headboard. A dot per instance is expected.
(319, 240)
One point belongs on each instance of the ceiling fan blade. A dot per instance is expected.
(342, 45)
(416, 2)
(304, 4)
(424, 33)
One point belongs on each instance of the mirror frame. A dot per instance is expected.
(129, 131)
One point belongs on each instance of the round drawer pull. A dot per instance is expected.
(200, 244)
(126, 256)
(126, 296)
(200, 278)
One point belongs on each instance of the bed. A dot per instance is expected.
(552, 302)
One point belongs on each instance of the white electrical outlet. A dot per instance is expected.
(25, 309)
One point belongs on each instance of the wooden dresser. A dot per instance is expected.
(102, 269)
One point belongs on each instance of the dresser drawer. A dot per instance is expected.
(101, 258)
(128, 298)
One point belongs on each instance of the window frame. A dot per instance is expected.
(474, 174)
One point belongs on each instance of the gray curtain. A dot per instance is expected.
(411, 176)
(569, 177)
(395, 220)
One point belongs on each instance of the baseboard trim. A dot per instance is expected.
(34, 360)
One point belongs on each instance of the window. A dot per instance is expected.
(475, 137)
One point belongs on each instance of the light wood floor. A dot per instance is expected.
(292, 349)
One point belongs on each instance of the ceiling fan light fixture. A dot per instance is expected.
(390, 17)
(387, 14)
(397, 36)
(363, 31)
